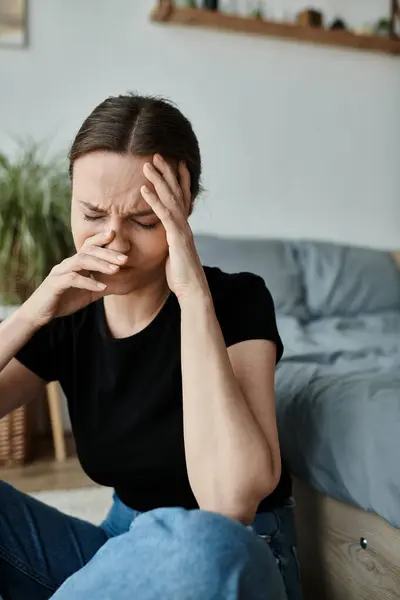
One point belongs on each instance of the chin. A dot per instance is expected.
(119, 290)
(119, 285)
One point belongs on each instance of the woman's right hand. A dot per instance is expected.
(69, 287)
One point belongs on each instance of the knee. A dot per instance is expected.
(207, 535)
(214, 555)
(173, 553)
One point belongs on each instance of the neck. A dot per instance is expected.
(128, 314)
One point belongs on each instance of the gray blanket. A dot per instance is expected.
(338, 406)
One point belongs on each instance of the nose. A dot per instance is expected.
(120, 242)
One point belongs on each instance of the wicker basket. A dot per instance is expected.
(14, 438)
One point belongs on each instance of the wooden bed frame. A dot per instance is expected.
(345, 553)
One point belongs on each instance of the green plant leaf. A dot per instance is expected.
(34, 219)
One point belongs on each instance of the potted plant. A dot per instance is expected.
(34, 236)
(34, 221)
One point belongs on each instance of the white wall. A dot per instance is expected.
(297, 140)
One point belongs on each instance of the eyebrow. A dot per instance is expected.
(140, 213)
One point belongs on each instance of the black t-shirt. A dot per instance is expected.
(125, 395)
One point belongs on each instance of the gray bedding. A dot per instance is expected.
(338, 406)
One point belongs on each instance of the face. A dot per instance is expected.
(106, 195)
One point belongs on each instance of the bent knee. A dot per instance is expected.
(208, 549)
(197, 527)
(174, 553)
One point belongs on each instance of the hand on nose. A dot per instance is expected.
(118, 243)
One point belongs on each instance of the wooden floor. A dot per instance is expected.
(45, 474)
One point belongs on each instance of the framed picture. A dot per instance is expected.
(13, 23)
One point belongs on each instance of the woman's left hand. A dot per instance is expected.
(171, 203)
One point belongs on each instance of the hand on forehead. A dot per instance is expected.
(113, 181)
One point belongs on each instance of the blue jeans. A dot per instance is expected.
(167, 553)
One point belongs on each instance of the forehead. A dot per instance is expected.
(105, 177)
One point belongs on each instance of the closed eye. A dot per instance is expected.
(92, 218)
(150, 226)
(141, 225)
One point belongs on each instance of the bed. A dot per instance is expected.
(339, 422)
(339, 409)
(338, 404)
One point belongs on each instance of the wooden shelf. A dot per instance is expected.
(193, 17)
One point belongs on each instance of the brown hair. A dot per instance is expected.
(141, 125)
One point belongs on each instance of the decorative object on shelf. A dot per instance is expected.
(186, 3)
(14, 23)
(382, 27)
(310, 18)
(394, 19)
(364, 31)
(338, 25)
(34, 236)
(257, 13)
(165, 8)
(210, 4)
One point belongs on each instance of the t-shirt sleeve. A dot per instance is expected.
(40, 353)
(249, 313)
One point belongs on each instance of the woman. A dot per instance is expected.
(168, 368)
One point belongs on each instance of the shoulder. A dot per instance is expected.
(244, 307)
(235, 287)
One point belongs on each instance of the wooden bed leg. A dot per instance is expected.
(54, 402)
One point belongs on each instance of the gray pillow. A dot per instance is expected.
(347, 280)
(273, 260)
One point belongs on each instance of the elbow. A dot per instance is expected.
(262, 482)
(248, 501)
(267, 486)
(242, 501)
(269, 472)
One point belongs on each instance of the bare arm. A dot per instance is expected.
(231, 439)
(231, 442)
(66, 289)
(18, 385)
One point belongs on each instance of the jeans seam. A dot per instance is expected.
(25, 569)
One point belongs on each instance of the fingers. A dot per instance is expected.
(110, 256)
(162, 188)
(85, 262)
(159, 209)
(168, 195)
(168, 174)
(75, 280)
(101, 239)
(173, 190)
(185, 185)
